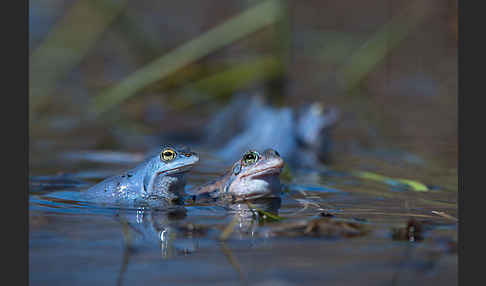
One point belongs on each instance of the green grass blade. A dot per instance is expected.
(249, 21)
(374, 50)
(66, 45)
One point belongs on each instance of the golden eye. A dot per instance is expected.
(250, 158)
(168, 155)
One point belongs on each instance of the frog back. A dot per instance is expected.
(126, 186)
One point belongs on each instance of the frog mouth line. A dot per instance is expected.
(253, 196)
(264, 172)
(177, 170)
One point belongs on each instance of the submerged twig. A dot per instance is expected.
(127, 251)
(306, 203)
(228, 230)
(444, 215)
(234, 262)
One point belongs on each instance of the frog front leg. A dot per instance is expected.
(148, 184)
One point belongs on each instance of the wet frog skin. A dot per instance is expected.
(255, 175)
(161, 176)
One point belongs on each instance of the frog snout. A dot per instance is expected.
(192, 156)
(271, 153)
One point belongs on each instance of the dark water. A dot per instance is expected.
(329, 228)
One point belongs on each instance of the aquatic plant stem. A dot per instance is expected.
(374, 50)
(66, 45)
(249, 21)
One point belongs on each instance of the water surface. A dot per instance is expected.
(329, 227)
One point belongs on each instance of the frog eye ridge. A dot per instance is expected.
(250, 157)
(168, 154)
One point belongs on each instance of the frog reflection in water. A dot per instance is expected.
(158, 226)
(255, 175)
(170, 228)
(161, 176)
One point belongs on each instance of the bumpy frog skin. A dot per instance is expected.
(161, 176)
(255, 175)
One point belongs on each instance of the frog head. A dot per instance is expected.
(255, 175)
(165, 173)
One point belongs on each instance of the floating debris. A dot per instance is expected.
(321, 227)
(326, 214)
(266, 216)
(332, 227)
(444, 215)
(412, 232)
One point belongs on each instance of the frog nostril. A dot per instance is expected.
(188, 154)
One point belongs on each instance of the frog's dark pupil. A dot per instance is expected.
(250, 157)
(168, 155)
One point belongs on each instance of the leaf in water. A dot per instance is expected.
(313, 188)
(414, 185)
(264, 214)
(417, 186)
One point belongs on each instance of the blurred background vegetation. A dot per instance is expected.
(108, 74)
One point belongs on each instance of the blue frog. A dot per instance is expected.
(160, 176)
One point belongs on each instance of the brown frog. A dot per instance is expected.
(255, 175)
